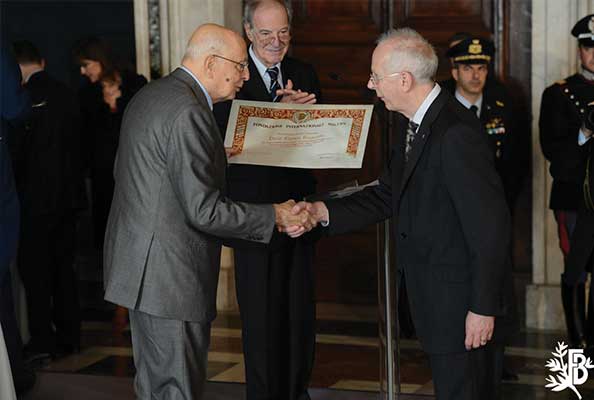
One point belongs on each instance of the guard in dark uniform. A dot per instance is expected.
(562, 113)
(470, 70)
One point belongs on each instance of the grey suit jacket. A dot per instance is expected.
(162, 247)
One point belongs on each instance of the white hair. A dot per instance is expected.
(410, 52)
(212, 44)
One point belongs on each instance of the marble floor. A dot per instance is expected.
(346, 367)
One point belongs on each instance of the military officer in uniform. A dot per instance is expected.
(564, 141)
(470, 68)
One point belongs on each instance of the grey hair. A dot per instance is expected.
(251, 5)
(211, 45)
(410, 52)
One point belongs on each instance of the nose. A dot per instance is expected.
(370, 84)
(246, 74)
(82, 70)
(275, 39)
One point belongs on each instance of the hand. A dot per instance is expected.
(479, 330)
(111, 93)
(294, 224)
(295, 96)
(317, 210)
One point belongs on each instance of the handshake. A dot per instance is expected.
(295, 219)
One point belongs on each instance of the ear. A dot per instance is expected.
(406, 81)
(455, 74)
(210, 65)
(248, 32)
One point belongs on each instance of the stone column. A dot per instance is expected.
(554, 57)
(177, 21)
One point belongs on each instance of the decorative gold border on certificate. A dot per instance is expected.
(245, 112)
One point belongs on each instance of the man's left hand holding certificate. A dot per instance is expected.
(297, 135)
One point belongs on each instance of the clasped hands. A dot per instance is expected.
(290, 95)
(295, 219)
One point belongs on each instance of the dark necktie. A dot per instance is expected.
(474, 110)
(411, 131)
(274, 85)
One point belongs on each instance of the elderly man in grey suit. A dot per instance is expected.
(162, 246)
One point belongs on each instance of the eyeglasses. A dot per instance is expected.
(375, 79)
(241, 66)
(266, 36)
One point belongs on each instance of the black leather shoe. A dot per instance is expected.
(574, 306)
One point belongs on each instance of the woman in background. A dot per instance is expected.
(103, 101)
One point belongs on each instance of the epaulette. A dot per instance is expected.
(499, 103)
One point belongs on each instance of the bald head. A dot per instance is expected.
(210, 39)
(215, 54)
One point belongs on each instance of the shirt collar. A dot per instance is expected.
(468, 104)
(208, 98)
(262, 68)
(33, 73)
(587, 74)
(422, 110)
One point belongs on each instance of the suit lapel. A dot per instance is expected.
(286, 71)
(421, 138)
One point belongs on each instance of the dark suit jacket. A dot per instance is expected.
(14, 105)
(559, 124)
(162, 247)
(263, 184)
(450, 223)
(46, 152)
(507, 141)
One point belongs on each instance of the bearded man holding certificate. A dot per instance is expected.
(274, 282)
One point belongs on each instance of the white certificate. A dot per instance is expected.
(298, 135)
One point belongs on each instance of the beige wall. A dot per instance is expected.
(179, 18)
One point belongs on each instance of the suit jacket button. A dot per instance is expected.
(403, 235)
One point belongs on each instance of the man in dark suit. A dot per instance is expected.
(274, 282)
(48, 179)
(449, 218)
(170, 211)
(15, 105)
(471, 59)
(562, 113)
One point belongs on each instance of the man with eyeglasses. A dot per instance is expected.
(274, 282)
(169, 211)
(450, 221)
